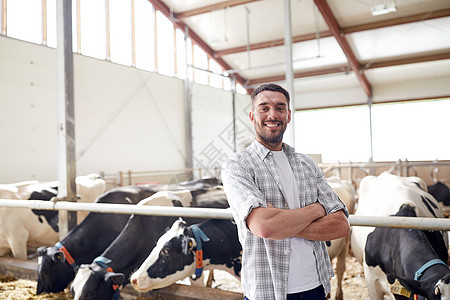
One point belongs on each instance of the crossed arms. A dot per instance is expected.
(309, 222)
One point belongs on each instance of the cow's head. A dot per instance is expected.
(46, 193)
(171, 260)
(430, 289)
(54, 274)
(95, 282)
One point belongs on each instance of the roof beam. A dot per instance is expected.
(210, 8)
(165, 10)
(333, 25)
(310, 73)
(391, 62)
(345, 30)
(273, 43)
(400, 21)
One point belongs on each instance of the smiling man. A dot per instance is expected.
(270, 115)
(283, 207)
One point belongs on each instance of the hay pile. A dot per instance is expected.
(12, 288)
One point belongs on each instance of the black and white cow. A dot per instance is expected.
(419, 264)
(18, 190)
(176, 255)
(57, 264)
(101, 279)
(22, 228)
(88, 188)
(192, 185)
(51, 216)
(441, 193)
(389, 253)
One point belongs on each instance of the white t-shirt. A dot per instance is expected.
(303, 275)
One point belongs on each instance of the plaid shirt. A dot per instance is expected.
(250, 180)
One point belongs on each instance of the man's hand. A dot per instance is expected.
(275, 223)
(327, 228)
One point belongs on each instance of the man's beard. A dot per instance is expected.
(270, 138)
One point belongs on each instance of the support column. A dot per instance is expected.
(66, 115)
(188, 108)
(289, 69)
(369, 104)
(233, 99)
(4, 15)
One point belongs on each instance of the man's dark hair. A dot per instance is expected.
(270, 87)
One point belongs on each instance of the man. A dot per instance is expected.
(283, 207)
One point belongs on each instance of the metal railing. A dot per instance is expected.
(401, 168)
(130, 177)
(216, 213)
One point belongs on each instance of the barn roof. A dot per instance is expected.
(344, 52)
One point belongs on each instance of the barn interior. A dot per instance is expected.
(131, 110)
(158, 91)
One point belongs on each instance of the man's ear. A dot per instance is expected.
(289, 116)
(251, 116)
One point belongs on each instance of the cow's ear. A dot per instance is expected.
(58, 256)
(191, 244)
(412, 285)
(41, 251)
(114, 278)
(187, 245)
(177, 203)
(391, 278)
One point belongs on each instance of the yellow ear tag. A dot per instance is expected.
(398, 289)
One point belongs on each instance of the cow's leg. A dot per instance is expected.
(377, 283)
(199, 282)
(210, 278)
(340, 269)
(4, 247)
(18, 243)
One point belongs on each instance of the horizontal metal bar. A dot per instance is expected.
(170, 211)
(401, 222)
(385, 164)
(216, 213)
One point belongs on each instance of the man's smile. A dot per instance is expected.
(272, 125)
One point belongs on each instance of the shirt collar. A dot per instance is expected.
(262, 151)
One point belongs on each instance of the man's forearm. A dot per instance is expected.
(274, 223)
(327, 228)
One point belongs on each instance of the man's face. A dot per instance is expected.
(270, 115)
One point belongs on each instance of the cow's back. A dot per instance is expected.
(383, 195)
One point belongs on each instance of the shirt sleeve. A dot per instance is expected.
(241, 190)
(327, 197)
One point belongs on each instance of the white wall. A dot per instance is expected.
(212, 125)
(126, 119)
